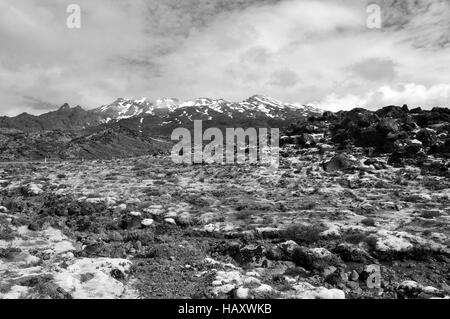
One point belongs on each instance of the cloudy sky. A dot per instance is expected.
(317, 52)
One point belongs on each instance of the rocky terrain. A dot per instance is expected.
(358, 208)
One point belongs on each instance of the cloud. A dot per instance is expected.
(426, 21)
(413, 95)
(38, 104)
(299, 51)
(284, 78)
(375, 69)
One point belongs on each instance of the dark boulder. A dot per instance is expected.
(441, 148)
(250, 254)
(341, 137)
(435, 116)
(338, 163)
(393, 111)
(388, 125)
(369, 137)
(408, 147)
(359, 117)
(376, 163)
(117, 274)
(427, 137)
(304, 140)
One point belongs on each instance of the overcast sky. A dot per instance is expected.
(316, 52)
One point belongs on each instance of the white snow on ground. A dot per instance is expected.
(140, 124)
(249, 284)
(100, 285)
(307, 291)
(58, 248)
(50, 239)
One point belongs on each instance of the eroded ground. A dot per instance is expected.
(146, 228)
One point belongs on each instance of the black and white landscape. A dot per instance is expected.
(92, 204)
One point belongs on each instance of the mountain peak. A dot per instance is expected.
(259, 97)
(262, 99)
(65, 106)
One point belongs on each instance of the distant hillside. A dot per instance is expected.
(57, 144)
(65, 118)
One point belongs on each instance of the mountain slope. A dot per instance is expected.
(112, 142)
(65, 118)
(108, 143)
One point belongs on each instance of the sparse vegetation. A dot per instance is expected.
(369, 222)
(371, 241)
(244, 215)
(430, 214)
(303, 234)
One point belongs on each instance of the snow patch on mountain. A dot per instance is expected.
(257, 104)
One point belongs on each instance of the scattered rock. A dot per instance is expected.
(250, 254)
(338, 163)
(328, 271)
(33, 189)
(170, 221)
(121, 207)
(354, 276)
(117, 274)
(307, 291)
(147, 222)
(242, 293)
(184, 219)
(411, 290)
(136, 214)
(371, 275)
(288, 248)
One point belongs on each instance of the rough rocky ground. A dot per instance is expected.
(146, 228)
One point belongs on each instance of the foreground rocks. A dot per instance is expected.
(42, 264)
(145, 228)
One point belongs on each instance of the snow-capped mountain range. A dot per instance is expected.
(252, 107)
(160, 117)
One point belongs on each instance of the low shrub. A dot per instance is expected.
(303, 234)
